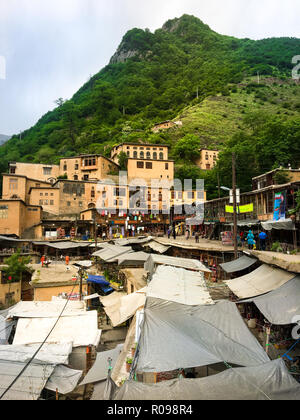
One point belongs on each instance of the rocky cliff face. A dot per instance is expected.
(121, 55)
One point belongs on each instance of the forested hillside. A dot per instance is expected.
(231, 93)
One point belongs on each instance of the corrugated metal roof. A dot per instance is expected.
(238, 265)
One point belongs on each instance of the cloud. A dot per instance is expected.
(51, 47)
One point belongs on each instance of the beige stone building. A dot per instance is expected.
(140, 151)
(18, 186)
(16, 217)
(164, 125)
(148, 170)
(43, 172)
(87, 167)
(207, 159)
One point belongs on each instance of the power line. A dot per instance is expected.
(34, 355)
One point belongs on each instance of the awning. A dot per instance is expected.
(263, 280)
(154, 260)
(64, 245)
(179, 285)
(52, 354)
(281, 305)
(286, 224)
(156, 246)
(270, 381)
(123, 307)
(99, 370)
(178, 336)
(40, 309)
(238, 265)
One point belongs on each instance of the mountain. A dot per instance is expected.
(182, 70)
(4, 138)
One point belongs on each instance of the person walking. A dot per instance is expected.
(67, 259)
(250, 239)
(197, 237)
(262, 240)
(187, 234)
(169, 233)
(174, 232)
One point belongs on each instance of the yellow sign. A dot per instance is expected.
(247, 208)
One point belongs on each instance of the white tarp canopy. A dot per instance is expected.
(156, 246)
(80, 330)
(63, 379)
(285, 224)
(47, 309)
(63, 245)
(189, 264)
(260, 281)
(270, 381)
(99, 370)
(49, 353)
(281, 305)
(29, 385)
(238, 265)
(119, 308)
(133, 241)
(179, 336)
(179, 285)
(110, 253)
(133, 258)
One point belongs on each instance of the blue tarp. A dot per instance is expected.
(98, 280)
(106, 289)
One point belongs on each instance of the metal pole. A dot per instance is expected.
(234, 207)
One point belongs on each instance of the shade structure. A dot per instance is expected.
(123, 307)
(179, 285)
(285, 224)
(63, 379)
(263, 280)
(101, 280)
(154, 260)
(269, 381)
(51, 309)
(156, 246)
(136, 259)
(110, 253)
(63, 245)
(180, 336)
(99, 370)
(281, 305)
(238, 265)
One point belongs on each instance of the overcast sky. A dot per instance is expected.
(51, 47)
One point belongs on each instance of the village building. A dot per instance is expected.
(41, 171)
(207, 159)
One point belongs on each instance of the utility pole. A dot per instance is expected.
(80, 283)
(234, 207)
(95, 228)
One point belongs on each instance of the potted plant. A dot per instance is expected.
(128, 364)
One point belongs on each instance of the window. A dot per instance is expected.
(166, 166)
(65, 167)
(3, 212)
(69, 203)
(85, 177)
(161, 156)
(140, 165)
(13, 184)
(135, 155)
(46, 194)
(51, 203)
(148, 155)
(41, 202)
(75, 177)
(207, 166)
(142, 155)
(76, 166)
(93, 193)
(12, 170)
(46, 202)
(41, 194)
(90, 161)
(51, 194)
(180, 195)
(47, 171)
(148, 165)
(206, 156)
(190, 194)
(154, 156)
(80, 203)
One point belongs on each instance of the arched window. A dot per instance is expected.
(135, 154)
(154, 155)
(148, 155)
(161, 156)
(142, 155)
(75, 177)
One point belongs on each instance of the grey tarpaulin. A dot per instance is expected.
(99, 370)
(63, 379)
(156, 246)
(29, 385)
(154, 260)
(258, 282)
(179, 336)
(238, 265)
(63, 245)
(179, 285)
(270, 381)
(110, 253)
(133, 259)
(286, 224)
(104, 390)
(282, 304)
